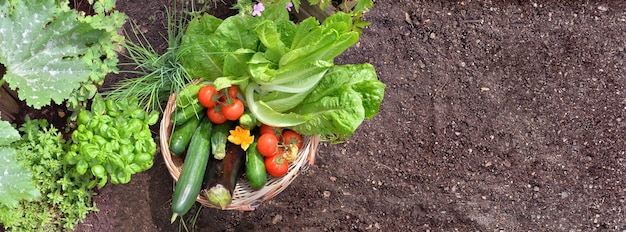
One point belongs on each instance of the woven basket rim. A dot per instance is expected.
(244, 197)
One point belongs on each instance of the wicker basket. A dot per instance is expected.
(244, 197)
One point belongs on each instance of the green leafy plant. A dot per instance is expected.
(15, 181)
(102, 56)
(355, 8)
(157, 75)
(65, 198)
(53, 54)
(112, 140)
(286, 70)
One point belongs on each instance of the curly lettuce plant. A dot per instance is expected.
(52, 53)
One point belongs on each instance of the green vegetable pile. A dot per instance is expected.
(63, 198)
(113, 140)
(286, 70)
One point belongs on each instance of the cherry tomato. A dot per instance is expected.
(234, 110)
(267, 145)
(265, 129)
(276, 165)
(216, 116)
(280, 150)
(292, 137)
(207, 96)
(232, 91)
(228, 93)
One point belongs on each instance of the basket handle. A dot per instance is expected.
(313, 149)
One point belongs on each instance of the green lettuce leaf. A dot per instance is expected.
(306, 33)
(270, 37)
(201, 51)
(281, 101)
(321, 42)
(340, 112)
(269, 116)
(42, 47)
(238, 32)
(234, 62)
(346, 96)
(361, 78)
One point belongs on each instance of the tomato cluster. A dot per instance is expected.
(221, 105)
(279, 146)
(275, 143)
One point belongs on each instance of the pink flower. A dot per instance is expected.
(288, 6)
(257, 9)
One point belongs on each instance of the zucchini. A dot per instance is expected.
(220, 191)
(219, 138)
(188, 95)
(181, 115)
(182, 135)
(247, 121)
(255, 168)
(190, 180)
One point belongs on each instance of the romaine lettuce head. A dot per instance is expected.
(346, 96)
(339, 112)
(361, 78)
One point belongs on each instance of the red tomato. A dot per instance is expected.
(215, 116)
(229, 93)
(265, 129)
(292, 137)
(207, 96)
(234, 110)
(276, 165)
(280, 150)
(267, 145)
(232, 91)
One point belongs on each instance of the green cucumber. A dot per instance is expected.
(181, 115)
(219, 138)
(255, 168)
(181, 136)
(190, 180)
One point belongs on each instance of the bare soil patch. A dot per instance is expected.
(499, 115)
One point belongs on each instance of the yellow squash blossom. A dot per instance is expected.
(291, 154)
(241, 136)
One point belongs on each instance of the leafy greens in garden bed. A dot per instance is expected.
(51, 53)
(286, 69)
(15, 181)
(62, 197)
(112, 141)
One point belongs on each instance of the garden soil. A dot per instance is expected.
(498, 115)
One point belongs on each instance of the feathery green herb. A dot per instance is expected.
(157, 75)
(65, 197)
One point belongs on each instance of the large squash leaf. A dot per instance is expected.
(41, 47)
(8, 134)
(15, 180)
